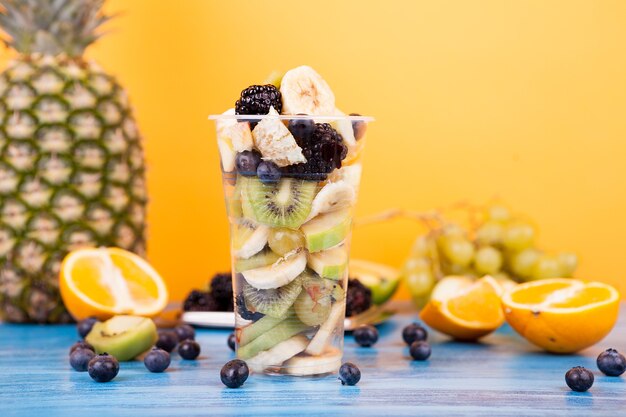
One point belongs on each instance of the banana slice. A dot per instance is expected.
(254, 244)
(348, 173)
(333, 196)
(326, 331)
(329, 361)
(278, 354)
(344, 128)
(227, 155)
(304, 91)
(280, 273)
(276, 143)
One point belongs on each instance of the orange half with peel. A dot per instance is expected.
(562, 315)
(463, 308)
(104, 282)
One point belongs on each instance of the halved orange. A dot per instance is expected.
(463, 308)
(562, 315)
(104, 282)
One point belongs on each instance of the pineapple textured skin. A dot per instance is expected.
(72, 174)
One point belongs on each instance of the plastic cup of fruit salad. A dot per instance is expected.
(290, 185)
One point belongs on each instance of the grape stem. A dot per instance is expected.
(431, 220)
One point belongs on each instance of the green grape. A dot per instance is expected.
(522, 263)
(498, 213)
(283, 241)
(568, 262)
(420, 280)
(452, 230)
(490, 233)
(422, 247)
(488, 260)
(518, 236)
(546, 267)
(457, 250)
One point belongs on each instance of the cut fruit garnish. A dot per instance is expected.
(327, 362)
(333, 196)
(124, 337)
(248, 238)
(562, 315)
(314, 303)
(331, 263)
(280, 273)
(108, 281)
(327, 330)
(264, 258)
(327, 230)
(272, 302)
(463, 308)
(278, 354)
(381, 279)
(282, 331)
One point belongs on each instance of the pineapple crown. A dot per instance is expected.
(51, 27)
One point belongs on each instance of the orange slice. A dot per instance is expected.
(463, 308)
(562, 315)
(109, 281)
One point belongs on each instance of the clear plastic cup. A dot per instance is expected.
(290, 236)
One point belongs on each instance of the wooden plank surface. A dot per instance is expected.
(503, 375)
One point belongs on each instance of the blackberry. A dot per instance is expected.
(257, 99)
(358, 298)
(244, 312)
(324, 150)
(222, 291)
(200, 301)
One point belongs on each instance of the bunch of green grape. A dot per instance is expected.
(498, 244)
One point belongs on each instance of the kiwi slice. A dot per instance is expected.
(264, 258)
(124, 337)
(273, 302)
(286, 204)
(316, 298)
(279, 333)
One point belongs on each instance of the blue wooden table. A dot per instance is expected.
(503, 375)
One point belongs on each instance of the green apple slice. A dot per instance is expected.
(264, 258)
(327, 230)
(279, 333)
(123, 337)
(247, 334)
(331, 263)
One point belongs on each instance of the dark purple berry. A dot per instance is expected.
(257, 99)
(414, 332)
(301, 129)
(234, 373)
(200, 301)
(81, 344)
(579, 379)
(420, 350)
(103, 368)
(79, 359)
(349, 374)
(365, 335)
(358, 298)
(611, 362)
(157, 360)
(247, 163)
(231, 341)
(222, 290)
(359, 127)
(84, 326)
(189, 349)
(268, 172)
(168, 339)
(184, 332)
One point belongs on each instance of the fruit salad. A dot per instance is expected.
(291, 171)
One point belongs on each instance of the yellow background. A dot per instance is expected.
(524, 100)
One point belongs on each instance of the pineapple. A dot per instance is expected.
(71, 159)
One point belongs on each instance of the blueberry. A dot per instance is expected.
(414, 332)
(168, 339)
(234, 373)
(420, 350)
(358, 127)
(231, 341)
(184, 332)
(268, 172)
(611, 362)
(365, 335)
(81, 344)
(247, 163)
(301, 129)
(84, 326)
(79, 359)
(157, 360)
(189, 349)
(579, 379)
(103, 368)
(349, 374)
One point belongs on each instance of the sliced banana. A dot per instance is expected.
(344, 128)
(227, 155)
(326, 331)
(329, 361)
(276, 143)
(278, 354)
(333, 196)
(280, 273)
(304, 91)
(255, 243)
(349, 173)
